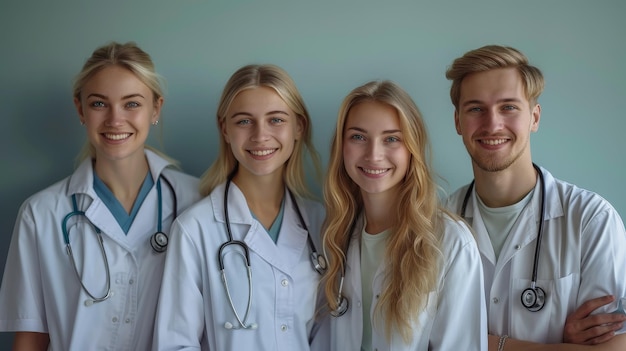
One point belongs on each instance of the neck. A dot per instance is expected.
(507, 187)
(262, 193)
(123, 177)
(379, 210)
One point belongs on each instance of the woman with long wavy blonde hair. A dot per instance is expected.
(409, 270)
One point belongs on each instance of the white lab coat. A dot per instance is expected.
(193, 306)
(582, 256)
(454, 319)
(40, 291)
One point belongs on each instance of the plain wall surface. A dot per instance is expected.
(328, 47)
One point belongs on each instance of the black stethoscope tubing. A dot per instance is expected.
(317, 260)
(533, 298)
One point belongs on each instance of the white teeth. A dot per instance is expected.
(375, 171)
(494, 142)
(262, 152)
(116, 136)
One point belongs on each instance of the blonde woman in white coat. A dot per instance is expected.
(114, 213)
(239, 274)
(403, 273)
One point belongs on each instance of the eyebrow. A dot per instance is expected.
(391, 131)
(478, 102)
(129, 96)
(248, 114)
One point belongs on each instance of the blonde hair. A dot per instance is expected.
(254, 76)
(491, 57)
(128, 56)
(413, 251)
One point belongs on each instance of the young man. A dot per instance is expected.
(547, 246)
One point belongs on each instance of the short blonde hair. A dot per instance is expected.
(491, 57)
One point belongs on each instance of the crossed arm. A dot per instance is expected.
(30, 341)
(583, 331)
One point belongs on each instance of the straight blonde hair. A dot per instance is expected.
(254, 76)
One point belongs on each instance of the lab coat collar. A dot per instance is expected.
(292, 240)
(529, 219)
(81, 181)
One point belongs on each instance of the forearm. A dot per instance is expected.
(31, 341)
(616, 344)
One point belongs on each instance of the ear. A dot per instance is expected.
(79, 110)
(158, 104)
(536, 116)
(300, 125)
(224, 130)
(457, 123)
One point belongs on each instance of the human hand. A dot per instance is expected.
(583, 328)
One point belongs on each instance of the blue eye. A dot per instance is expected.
(509, 107)
(392, 139)
(243, 122)
(132, 104)
(97, 104)
(277, 120)
(357, 137)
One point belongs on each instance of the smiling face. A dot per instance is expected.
(496, 119)
(261, 131)
(374, 153)
(117, 109)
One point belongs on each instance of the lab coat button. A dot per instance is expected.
(127, 320)
(517, 247)
(283, 327)
(495, 300)
(131, 281)
(284, 282)
(358, 304)
(114, 319)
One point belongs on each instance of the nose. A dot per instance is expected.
(492, 119)
(259, 133)
(374, 151)
(114, 117)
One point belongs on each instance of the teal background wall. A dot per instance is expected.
(329, 47)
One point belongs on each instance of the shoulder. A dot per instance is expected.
(577, 202)
(181, 178)
(454, 201)
(312, 208)
(456, 234)
(48, 197)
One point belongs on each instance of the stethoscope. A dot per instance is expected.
(158, 240)
(534, 297)
(342, 302)
(318, 261)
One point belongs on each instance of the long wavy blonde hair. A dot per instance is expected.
(413, 250)
(254, 76)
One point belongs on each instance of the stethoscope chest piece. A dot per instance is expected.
(534, 298)
(319, 262)
(159, 242)
(342, 307)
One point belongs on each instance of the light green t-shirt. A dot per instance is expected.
(372, 254)
(499, 220)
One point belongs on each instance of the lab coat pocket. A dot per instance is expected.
(546, 324)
